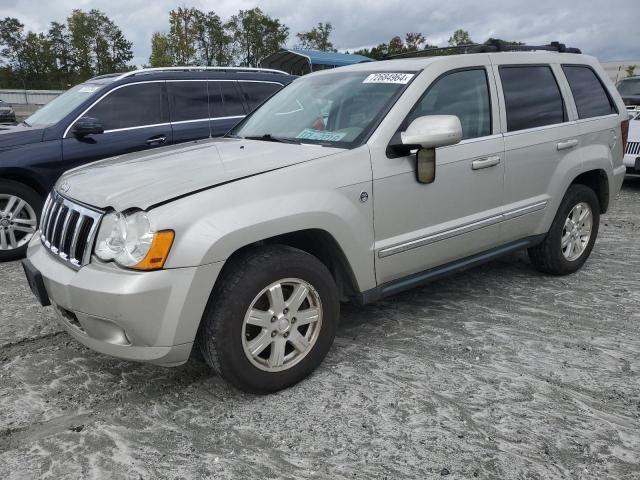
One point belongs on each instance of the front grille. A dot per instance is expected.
(68, 229)
(633, 148)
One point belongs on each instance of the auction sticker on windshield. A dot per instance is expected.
(311, 134)
(401, 78)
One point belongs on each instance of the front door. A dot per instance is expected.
(421, 226)
(134, 117)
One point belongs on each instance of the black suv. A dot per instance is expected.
(111, 115)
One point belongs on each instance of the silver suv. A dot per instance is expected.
(348, 184)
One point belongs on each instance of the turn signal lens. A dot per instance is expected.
(159, 251)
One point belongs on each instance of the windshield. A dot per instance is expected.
(337, 109)
(59, 107)
(629, 87)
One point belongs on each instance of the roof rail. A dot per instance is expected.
(491, 46)
(198, 68)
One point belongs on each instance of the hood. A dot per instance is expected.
(634, 130)
(15, 135)
(144, 179)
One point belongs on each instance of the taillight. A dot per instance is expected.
(624, 126)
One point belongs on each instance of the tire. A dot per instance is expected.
(551, 256)
(228, 334)
(14, 240)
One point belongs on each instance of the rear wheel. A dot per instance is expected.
(20, 208)
(271, 320)
(572, 234)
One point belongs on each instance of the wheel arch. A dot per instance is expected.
(317, 242)
(598, 181)
(23, 177)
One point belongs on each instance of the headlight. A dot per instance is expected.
(129, 240)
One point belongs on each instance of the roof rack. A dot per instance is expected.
(198, 68)
(490, 46)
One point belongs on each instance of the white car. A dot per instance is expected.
(632, 152)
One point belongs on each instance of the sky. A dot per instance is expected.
(607, 29)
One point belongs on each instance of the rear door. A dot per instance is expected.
(134, 116)
(188, 109)
(539, 134)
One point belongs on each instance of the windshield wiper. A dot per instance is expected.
(267, 137)
(25, 123)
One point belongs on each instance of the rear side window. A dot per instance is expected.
(258, 92)
(532, 97)
(590, 96)
(232, 102)
(188, 101)
(464, 94)
(132, 106)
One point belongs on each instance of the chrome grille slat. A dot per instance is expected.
(633, 148)
(65, 236)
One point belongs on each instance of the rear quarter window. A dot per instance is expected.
(258, 92)
(532, 97)
(592, 100)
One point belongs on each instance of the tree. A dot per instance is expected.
(161, 53)
(213, 43)
(256, 35)
(460, 37)
(60, 49)
(11, 42)
(317, 38)
(630, 70)
(182, 35)
(414, 41)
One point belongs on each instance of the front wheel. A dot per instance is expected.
(271, 320)
(572, 234)
(20, 208)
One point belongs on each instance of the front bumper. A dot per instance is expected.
(143, 316)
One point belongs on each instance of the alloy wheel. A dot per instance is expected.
(282, 324)
(577, 231)
(18, 222)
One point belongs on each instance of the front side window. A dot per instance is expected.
(464, 94)
(532, 97)
(134, 105)
(337, 109)
(58, 108)
(590, 96)
(258, 92)
(188, 101)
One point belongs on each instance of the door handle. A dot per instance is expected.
(567, 144)
(485, 162)
(159, 140)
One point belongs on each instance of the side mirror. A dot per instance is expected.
(433, 131)
(87, 126)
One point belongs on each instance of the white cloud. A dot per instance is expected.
(605, 28)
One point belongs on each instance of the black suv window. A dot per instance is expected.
(258, 92)
(532, 97)
(132, 106)
(232, 102)
(188, 101)
(465, 94)
(590, 96)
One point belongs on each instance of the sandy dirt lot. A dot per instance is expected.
(498, 372)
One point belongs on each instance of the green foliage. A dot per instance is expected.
(317, 38)
(255, 36)
(460, 37)
(630, 70)
(161, 51)
(88, 44)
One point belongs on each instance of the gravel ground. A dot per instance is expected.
(498, 372)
